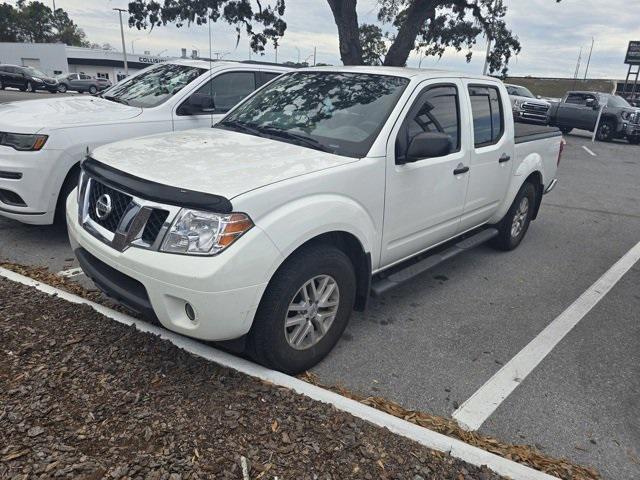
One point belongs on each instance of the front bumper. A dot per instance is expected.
(30, 185)
(223, 290)
(632, 130)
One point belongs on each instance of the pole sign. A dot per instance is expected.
(633, 54)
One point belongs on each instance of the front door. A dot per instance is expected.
(225, 91)
(493, 151)
(425, 197)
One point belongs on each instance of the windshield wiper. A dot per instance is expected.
(308, 141)
(116, 99)
(239, 127)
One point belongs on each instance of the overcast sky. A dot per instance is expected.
(551, 35)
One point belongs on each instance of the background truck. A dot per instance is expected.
(322, 188)
(43, 141)
(526, 107)
(581, 110)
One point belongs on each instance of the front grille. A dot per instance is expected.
(154, 225)
(535, 108)
(119, 204)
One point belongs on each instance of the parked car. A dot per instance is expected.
(26, 79)
(43, 141)
(79, 82)
(526, 106)
(582, 109)
(324, 186)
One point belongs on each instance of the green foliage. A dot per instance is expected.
(243, 14)
(35, 22)
(373, 46)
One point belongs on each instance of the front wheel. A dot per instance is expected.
(605, 131)
(513, 227)
(62, 88)
(304, 310)
(634, 139)
(93, 90)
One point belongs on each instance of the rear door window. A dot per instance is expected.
(488, 117)
(576, 99)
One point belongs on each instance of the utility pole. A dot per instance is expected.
(589, 60)
(124, 48)
(54, 6)
(314, 56)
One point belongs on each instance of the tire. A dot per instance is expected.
(270, 342)
(23, 88)
(634, 140)
(69, 184)
(605, 131)
(566, 130)
(510, 235)
(62, 88)
(1, 85)
(93, 90)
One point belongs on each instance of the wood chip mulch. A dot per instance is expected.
(84, 397)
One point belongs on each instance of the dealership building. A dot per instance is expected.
(56, 58)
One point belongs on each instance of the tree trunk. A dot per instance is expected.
(346, 18)
(417, 14)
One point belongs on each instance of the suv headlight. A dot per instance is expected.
(23, 142)
(204, 233)
(517, 104)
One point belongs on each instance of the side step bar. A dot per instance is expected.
(379, 287)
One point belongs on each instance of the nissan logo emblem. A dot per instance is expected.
(103, 206)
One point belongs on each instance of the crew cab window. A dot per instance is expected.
(228, 89)
(436, 111)
(488, 118)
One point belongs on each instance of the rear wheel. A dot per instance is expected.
(62, 88)
(605, 131)
(304, 310)
(513, 227)
(93, 90)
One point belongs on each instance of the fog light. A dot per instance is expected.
(190, 312)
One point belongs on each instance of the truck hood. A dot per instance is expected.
(214, 161)
(30, 116)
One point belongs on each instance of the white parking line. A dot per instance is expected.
(473, 412)
(428, 438)
(589, 151)
(72, 272)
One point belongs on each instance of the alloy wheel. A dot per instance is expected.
(520, 218)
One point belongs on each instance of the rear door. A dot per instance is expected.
(74, 82)
(574, 113)
(424, 199)
(225, 90)
(493, 148)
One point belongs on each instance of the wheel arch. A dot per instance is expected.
(535, 178)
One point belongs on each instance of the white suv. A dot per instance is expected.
(43, 141)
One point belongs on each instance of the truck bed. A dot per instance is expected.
(525, 132)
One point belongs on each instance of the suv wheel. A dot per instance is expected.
(62, 88)
(513, 227)
(605, 131)
(93, 90)
(304, 310)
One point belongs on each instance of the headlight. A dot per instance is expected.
(204, 233)
(626, 115)
(517, 104)
(22, 142)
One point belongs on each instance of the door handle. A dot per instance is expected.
(460, 169)
(504, 158)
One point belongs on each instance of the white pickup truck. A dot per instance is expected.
(43, 141)
(322, 188)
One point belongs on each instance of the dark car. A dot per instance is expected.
(80, 82)
(581, 110)
(26, 79)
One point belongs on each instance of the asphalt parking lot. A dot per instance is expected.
(432, 344)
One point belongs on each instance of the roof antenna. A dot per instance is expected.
(210, 79)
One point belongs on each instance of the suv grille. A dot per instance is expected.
(119, 204)
(154, 225)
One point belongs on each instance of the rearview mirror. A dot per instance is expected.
(428, 145)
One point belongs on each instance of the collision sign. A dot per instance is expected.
(633, 53)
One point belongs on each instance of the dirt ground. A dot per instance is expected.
(84, 397)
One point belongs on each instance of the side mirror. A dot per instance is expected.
(591, 102)
(198, 103)
(428, 145)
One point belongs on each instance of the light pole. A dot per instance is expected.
(132, 42)
(298, 55)
(124, 48)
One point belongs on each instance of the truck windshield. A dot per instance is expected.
(517, 91)
(154, 86)
(340, 113)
